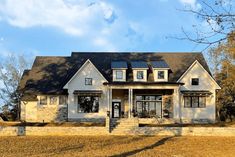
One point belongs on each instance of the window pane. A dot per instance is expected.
(88, 104)
(187, 101)
(140, 75)
(53, 100)
(195, 81)
(63, 100)
(139, 107)
(160, 75)
(88, 81)
(202, 101)
(119, 74)
(139, 98)
(159, 98)
(194, 101)
(43, 100)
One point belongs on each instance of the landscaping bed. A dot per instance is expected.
(217, 124)
(62, 124)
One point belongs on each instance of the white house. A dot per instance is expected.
(87, 86)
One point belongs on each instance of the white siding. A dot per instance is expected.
(205, 83)
(78, 83)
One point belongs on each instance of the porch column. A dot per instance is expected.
(110, 100)
(130, 101)
(176, 104)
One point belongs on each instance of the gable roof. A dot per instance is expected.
(48, 75)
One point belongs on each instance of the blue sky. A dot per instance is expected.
(57, 27)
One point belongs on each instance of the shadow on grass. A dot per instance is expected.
(133, 152)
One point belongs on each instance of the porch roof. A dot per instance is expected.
(196, 92)
(143, 83)
(88, 92)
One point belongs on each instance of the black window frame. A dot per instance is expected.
(199, 105)
(195, 81)
(63, 100)
(140, 71)
(53, 100)
(87, 83)
(41, 100)
(117, 78)
(87, 110)
(160, 75)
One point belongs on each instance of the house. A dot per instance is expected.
(87, 86)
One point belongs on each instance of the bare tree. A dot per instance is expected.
(11, 70)
(218, 15)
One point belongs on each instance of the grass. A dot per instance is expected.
(118, 146)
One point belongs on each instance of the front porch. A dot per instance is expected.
(144, 102)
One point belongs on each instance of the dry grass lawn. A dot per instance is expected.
(118, 146)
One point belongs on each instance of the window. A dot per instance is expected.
(195, 81)
(160, 75)
(88, 81)
(119, 74)
(88, 104)
(149, 105)
(63, 100)
(43, 100)
(53, 100)
(194, 102)
(140, 75)
(187, 101)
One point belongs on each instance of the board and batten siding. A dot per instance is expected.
(206, 82)
(88, 70)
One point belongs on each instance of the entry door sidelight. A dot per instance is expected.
(116, 109)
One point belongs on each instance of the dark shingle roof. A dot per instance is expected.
(159, 64)
(118, 64)
(49, 74)
(139, 64)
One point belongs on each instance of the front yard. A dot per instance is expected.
(118, 146)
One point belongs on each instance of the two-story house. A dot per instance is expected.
(86, 86)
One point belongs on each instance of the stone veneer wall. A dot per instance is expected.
(52, 113)
(94, 120)
(51, 131)
(165, 131)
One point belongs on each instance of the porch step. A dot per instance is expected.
(120, 126)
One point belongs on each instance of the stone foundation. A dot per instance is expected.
(94, 120)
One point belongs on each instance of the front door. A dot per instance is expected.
(116, 109)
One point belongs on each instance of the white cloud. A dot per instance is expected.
(191, 3)
(73, 17)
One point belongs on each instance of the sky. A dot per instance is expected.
(58, 27)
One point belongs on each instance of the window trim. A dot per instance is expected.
(191, 103)
(88, 84)
(195, 84)
(119, 78)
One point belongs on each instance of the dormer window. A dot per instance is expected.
(139, 70)
(161, 74)
(119, 71)
(140, 75)
(160, 70)
(119, 74)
